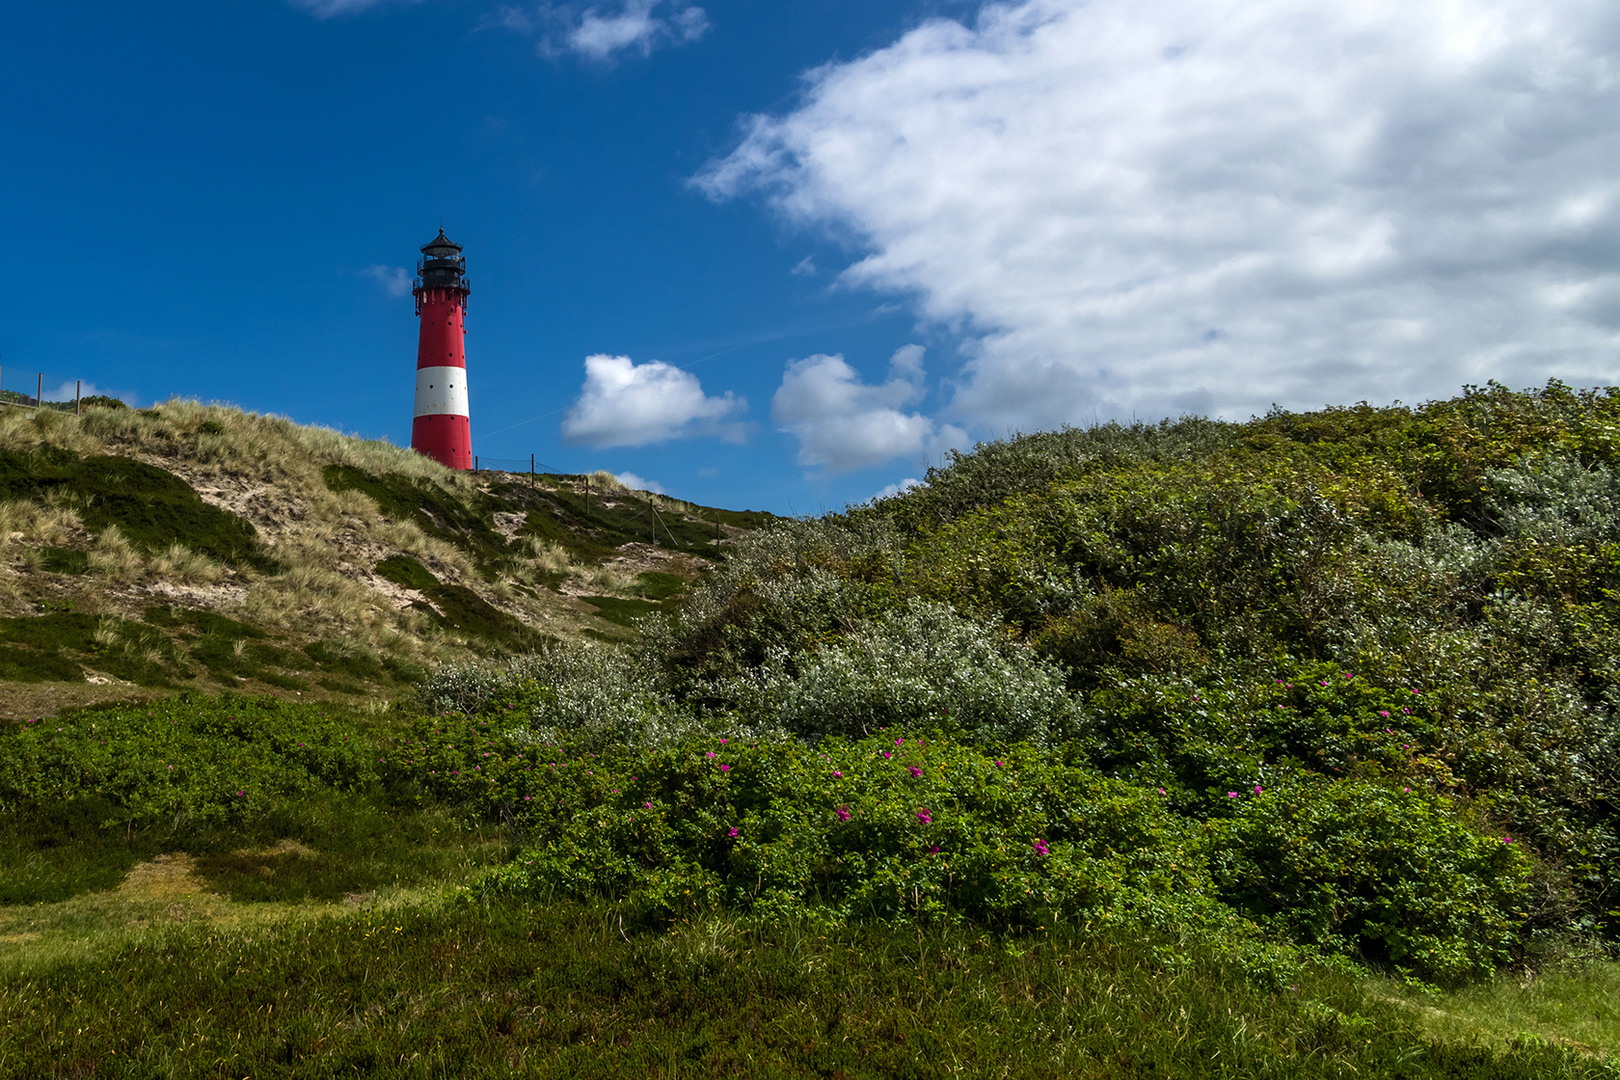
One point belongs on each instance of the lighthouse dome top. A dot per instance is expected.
(440, 247)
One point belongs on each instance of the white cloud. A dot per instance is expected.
(1154, 206)
(843, 424)
(600, 32)
(627, 404)
(633, 26)
(894, 489)
(396, 279)
(639, 483)
(805, 267)
(70, 389)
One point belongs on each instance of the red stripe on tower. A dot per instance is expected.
(441, 428)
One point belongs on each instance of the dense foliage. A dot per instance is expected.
(244, 785)
(1361, 664)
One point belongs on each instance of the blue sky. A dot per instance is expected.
(785, 255)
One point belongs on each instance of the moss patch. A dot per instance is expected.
(406, 572)
(439, 513)
(59, 646)
(619, 610)
(203, 622)
(589, 529)
(657, 585)
(58, 560)
(470, 613)
(152, 507)
(229, 650)
(345, 660)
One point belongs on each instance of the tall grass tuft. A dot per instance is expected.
(114, 557)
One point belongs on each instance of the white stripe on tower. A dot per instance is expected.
(441, 390)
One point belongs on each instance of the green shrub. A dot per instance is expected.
(1467, 550)
(793, 585)
(581, 696)
(185, 758)
(892, 827)
(1375, 870)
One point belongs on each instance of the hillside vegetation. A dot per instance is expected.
(1350, 676)
(201, 546)
(1287, 748)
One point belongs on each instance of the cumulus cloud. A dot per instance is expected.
(1154, 206)
(844, 424)
(396, 279)
(627, 404)
(70, 389)
(895, 489)
(639, 483)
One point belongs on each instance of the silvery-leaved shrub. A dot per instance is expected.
(468, 688)
(581, 696)
(921, 666)
(1555, 499)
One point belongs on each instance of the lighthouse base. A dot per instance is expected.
(445, 438)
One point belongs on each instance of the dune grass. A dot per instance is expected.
(442, 987)
(1574, 1004)
(308, 534)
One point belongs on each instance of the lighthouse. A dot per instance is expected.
(441, 429)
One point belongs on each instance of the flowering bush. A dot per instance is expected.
(892, 826)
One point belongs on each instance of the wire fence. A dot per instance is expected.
(650, 514)
(530, 466)
(39, 390)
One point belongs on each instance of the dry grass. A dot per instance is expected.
(544, 557)
(180, 564)
(605, 483)
(327, 544)
(603, 580)
(113, 557)
(39, 523)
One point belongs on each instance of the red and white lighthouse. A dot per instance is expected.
(441, 429)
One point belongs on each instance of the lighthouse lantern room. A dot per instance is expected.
(441, 428)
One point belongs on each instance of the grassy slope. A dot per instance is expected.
(307, 930)
(309, 933)
(202, 546)
(446, 989)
